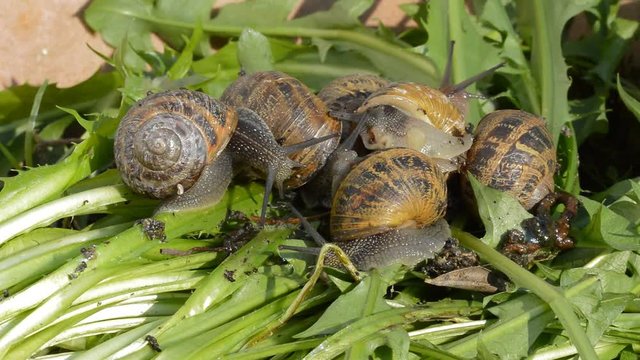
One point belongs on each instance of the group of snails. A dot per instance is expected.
(387, 206)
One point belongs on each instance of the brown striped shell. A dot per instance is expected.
(293, 113)
(513, 152)
(390, 189)
(346, 94)
(166, 139)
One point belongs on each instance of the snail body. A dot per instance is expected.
(419, 117)
(513, 152)
(172, 142)
(390, 209)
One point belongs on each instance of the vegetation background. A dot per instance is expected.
(96, 286)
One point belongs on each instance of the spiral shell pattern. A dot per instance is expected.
(165, 140)
(390, 189)
(513, 152)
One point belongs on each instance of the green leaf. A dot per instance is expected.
(86, 124)
(31, 125)
(120, 22)
(254, 52)
(549, 68)
(183, 64)
(518, 327)
(55, 129)
(389, 65)
(521, 83)
(450, 21)
(189, 11)
(365, 299)
(343, 14)
(233, 18)
(602, 226)
(612, 47)
(254, 13)
(604, 300)
(499, 211)
(632, 104)
(15, 102)
(39, 185)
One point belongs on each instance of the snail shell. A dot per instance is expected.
(513, 152)
(346, 94)
(417, 117)
(294, 115)
(166, 140)
(389, 209)
(391, 189)
(420, 102)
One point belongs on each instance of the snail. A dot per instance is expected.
(513, 152)
(292, 113)
(419, 117)
(171, 142)
(389, 209)
(170, 146)
(284, 132)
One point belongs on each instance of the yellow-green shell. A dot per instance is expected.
(420, 102)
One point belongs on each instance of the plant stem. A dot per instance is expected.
(216, 287)
(81, 203)
(113, 345)
(51, 308)
(28, 136)
(342, 340)
(548, 293)
(361, 38)
(571, 183)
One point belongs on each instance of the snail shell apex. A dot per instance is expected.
(166, 139)
(390, 189)
(293, 113)
(513, 152)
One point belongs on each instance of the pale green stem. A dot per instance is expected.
(81, 203)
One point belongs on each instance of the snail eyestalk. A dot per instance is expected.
(446, 77)
(459, 87)
(308, 143)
